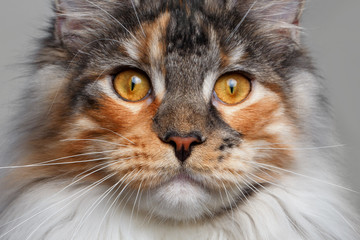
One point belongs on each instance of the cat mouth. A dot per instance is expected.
(184, 177)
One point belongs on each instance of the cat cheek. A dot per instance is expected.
(249, 116)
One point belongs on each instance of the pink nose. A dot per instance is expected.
(183, 146)
(183, 142)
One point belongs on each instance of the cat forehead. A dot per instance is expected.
(183, 50)
(176, 44)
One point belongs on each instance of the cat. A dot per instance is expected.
(174, 119)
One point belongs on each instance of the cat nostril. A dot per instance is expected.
(183, 145)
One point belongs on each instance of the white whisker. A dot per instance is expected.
(69, 185)
(241, 21)
(346, 220)
(122, 180)
(133, 208)
(304, 148)
(92, 208)
(54, 164)
(118, 134)
(85, 176)
(85, 190)
(93, 186)
(262, 179)
(137, 17)
(116, 20)
(98, 167)
(227, 196)
(95, 140)
(57, 159)
(302, 175)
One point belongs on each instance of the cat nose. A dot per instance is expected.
(183, 145)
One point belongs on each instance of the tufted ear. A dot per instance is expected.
(288, 11)
(282, 15)
(76, 21)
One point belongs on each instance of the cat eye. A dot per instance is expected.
(132, 85)
(232, 88)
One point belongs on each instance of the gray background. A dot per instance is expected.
(332, 33)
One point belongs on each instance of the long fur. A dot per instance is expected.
(304, 200)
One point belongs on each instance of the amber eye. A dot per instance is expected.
(232, 88)
(132, 85)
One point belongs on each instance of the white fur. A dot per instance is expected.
(312, 205)
(208, 86)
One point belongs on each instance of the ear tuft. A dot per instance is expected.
(288, 11)
(75, 21)
(283, 15)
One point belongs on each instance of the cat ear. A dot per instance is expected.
(288, 11)
(75, 21)
(282, 15)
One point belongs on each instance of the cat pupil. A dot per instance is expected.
(232, 84)
(134, 81)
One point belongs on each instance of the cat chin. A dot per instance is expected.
(181, 200)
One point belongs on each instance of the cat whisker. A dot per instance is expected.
(124, 188)
(227, 196)
(150, 214)
(267, 174)
(301, 175)
(242, 192)
(108, 164)
(248, 185)
(92, 208)
(137, 17)
(94, 140)
(69, 185)
(122, 180)
(269, 182)
(273, 143)
(57, 159)
(84, 53)
(98, 167)
(98, 183)
(128, 199)
(231, 35)
(207, 210)
(278, 201)
(244, 195)
(54, 164)
(85, 190)
(118, 134)
(295, 225)
(140, 198)
(234, 200)
(116, 20)
(304, 148)
(133, 208)
(221, 196)
(346, 220)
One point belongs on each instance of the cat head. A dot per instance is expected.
(188, 106)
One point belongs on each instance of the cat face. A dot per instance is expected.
(184, 106)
